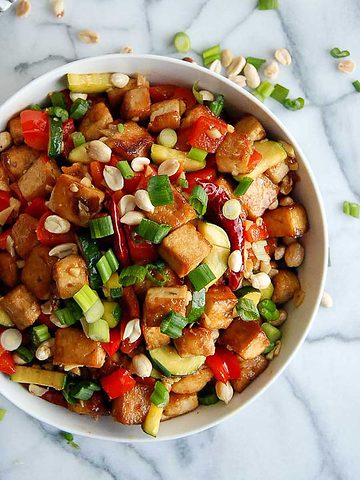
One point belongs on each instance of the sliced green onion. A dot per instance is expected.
(125, 169)
(152, 231)
(58, 100)
(101, 227)
(120, 127)
(104, 269)
(207, 396)
(269, 348)
(78, 139)
(85, 298)
(257, 62)
(70, 314)
(357, 85)
(201, 276)
(182, 42)
(70, 439)
(268, 310)
(40, 334)
(167, 137)
(197, 306)
(337, 53)
(99, 331)
(196, 93)
(25, 354)
(84, 390)
(273, 333)
(151, 268)
(159, 189)
(131, 275)
(217, 105)
(182, 182)
(197, 154)
(264, 90)
(280, 93)
(79, 108)
(244, 290)
(199, 199)
(59, 113)
(267, 4)
(91, 253)
(112, 260)
(95, 312)
(160, 396)
(243, 186)
(296, 104)
(2, 414)
(35, 106)
(247, 310)
(172, 325)
(55, 137)
(211, 54)
(352, 209)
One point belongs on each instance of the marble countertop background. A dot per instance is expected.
(306, 426)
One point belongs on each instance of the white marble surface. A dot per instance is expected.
(306, 426)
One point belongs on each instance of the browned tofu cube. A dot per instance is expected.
(179, 405)
(95, 407)
(277, 172)
(159, 301)
(245, 338)
(176, 214)
(226, 185)
(136, 104)
(195, 341)
(70, 274)
(134, 141)
(37, 272)
(219, 307)
(286, 284)
(193, 383)
(76, 206)
(39, 179)
(24, 234)
(234, 153)
(4, 179)
(258, 197)
(17, 160)
(250, 369)
(115, 95)
(194, 114)
(97, 118)
(251, 127)
(132, 407)
(8, 270)
(172, 281)
(21, 306)
(286, 221)
(184, 249)
(15, 130)
(72, 347)
(78, 170)
(154, 338)
(166, 114)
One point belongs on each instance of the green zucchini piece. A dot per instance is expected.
(169, 361)
(37, 376)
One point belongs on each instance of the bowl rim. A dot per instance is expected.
(61, 70)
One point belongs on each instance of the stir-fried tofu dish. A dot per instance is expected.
(149, 244)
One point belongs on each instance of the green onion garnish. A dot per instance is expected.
(78, 139)
(337, 53)
(101, 227)
(182, 182)
(199, 199)
(2, 414)
(79, 108)
(131, 275)
(120, 127)
(70, 314)
(280, 93)
(94, 313)
(201, 276)
(352, 209)
(273, 333)
(211, 54)
(167, 137)
(159, 189)
(158, 267)
(104, 269)
(160, 396)
(246, 309)
(197, 154)
(35, 106)
(99, 331)
(70, 439)
(268, 310)
(152, 231)
(25, 354)
(207, 396)
(217, 105)
(196, 93)
(267, 4)
(243, 186)
(58, 100)
(55, 136)
(182, 42)
(257, 62)
(86, 298)
(197, 306)
(125, 169)
(84, 390)
(59, 113)
(296, 104)
(113, 261)
(40, 334)
(173, 324)
(357, 85)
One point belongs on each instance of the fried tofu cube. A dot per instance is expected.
(289, 221)
(97, 118)
(76, 206)
(245, 338)
(166, 114)
(24, 234)
(286, 284)
(219, 307)
(258, 197)
(70, 274)
(95, 406)
(184, 249)
(194, 114)
(76, 169)
(72, 347)
(195, 341)
(250, 369)
(134, 141)
(234, 153)
(8, 270)
(39, 179)
(4, 179)
(132, 407)
(15, 130)
(193, 383)
(179, 405)
(17, 160)
(176, 214)
(159, 301)
(277, 172)
(21, 306)
(154, 338)
(115, 95)
(136, 104)
(251, 127)
(37, 272)
(172, 281)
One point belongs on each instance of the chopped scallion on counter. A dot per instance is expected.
(152, 231)
(79, 108)
(352, 209)
(121, 127)
(39, 334)
(211, 54)
(357, 85)
(217, 105)
(337, 53)
(280, 93)
(197, 154)
(125, 169)
(101, 227)
(257, 62)
(199, 199)
(268, 5)
(159, 189)
(243, 186)
(296, 104)
(160, 396)
(264, 90)
(182, 42)
(70, 439)
(173, 324)
(131, 275)
(201, 276)
(78, 139)
(2, 414)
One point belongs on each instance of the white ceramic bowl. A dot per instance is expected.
(312, 274)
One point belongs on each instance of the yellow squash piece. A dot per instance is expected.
(159, 154)
(151, 424)
(89, 82)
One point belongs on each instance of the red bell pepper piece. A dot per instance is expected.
(96, 172)
(234, 228)
(199, 137)
(120, 245)
(254, 159)
(113, 345)
(158, 93)
(256, 233)
(186, 95)
(141, 251)
(52, 239)
(7, 364)
(118, 383)
(150, 171)
(224, 365)
(131, 184)
(207, 174)
(4, 200)
(3, 238)
(36, 207)
(35, 127)
(182, 142)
